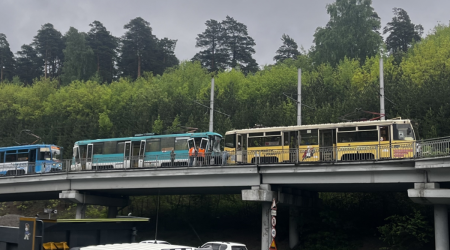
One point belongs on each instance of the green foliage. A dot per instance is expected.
(104, 46)
(402, 32)
(406, 232)
(352, 32)
(6, 60)
(141, 51)
(49, 44)
(78, 58)
(226, 45)
(289, 49)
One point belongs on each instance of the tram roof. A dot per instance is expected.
(144, 137)
(18, 147)
(321, 126)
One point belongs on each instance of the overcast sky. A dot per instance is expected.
(266, 20)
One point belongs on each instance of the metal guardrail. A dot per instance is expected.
(313, 154)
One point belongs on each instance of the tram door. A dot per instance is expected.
(291, 146)
(89, 154)
(326, 143)
(127, 154)
(241, 149)
(141, 154)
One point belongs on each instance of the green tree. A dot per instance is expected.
(289, 49)
(402, 32)
(351, 32)
(165, 54)
(49, 44)
(406, 232)
(105, 47)
(78, 57)
(29, 65)
(212, 57)
(7, 62)
(238, 45)
(138, 48)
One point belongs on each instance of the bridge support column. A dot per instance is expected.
(265, 195)
(432, 194)
(293, 227)
(112, 212)
(81, 211)
(441, 227)
(266, 237)
(83, 199)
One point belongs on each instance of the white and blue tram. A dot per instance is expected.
(146, 150)
(30, 159)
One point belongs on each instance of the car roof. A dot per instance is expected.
(224, 242)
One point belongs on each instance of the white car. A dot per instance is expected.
(155, 242)
(224, 245)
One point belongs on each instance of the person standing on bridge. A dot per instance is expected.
(192, 155)
(172, 158)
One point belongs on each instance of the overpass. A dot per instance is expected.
(426, 179)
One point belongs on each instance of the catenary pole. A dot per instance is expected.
(299, 98)
(211, 108)
(382, 111)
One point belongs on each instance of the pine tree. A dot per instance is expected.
(212, 57)
(49, 44)
(7, 62)
(138, 48)
(402, 32)
(289, 49)
(238, 45)
(29, 65)
(105, 47)
(78, 57)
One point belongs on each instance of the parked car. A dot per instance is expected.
(155, 242)
(223, 245)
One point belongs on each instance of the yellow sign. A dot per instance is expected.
(273, 246)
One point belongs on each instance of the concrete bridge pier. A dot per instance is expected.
(432, 194)
(83, 199)
(81, 211)
(264, 194)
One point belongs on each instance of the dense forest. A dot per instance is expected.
(78, 85)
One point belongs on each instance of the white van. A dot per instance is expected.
(223, 245)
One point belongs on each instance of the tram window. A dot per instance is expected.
(384, 134)
(22, 157)
(361, 136)
(45, 156)
(403, 132)
(230, 141)
(309, 137)
(109, 147)
(2, 157)
(120, 147)
(181, 144)
(264, 141)
(11, 156)
(167, 143)
(347, 129)
(367, 128)
(98, 148)
(273, 133)
(255, 142)
(153, 145)
(255, 134)
(272, 141)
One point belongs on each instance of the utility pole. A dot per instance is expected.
(211, 108)
(299, 98)
(382, 111)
